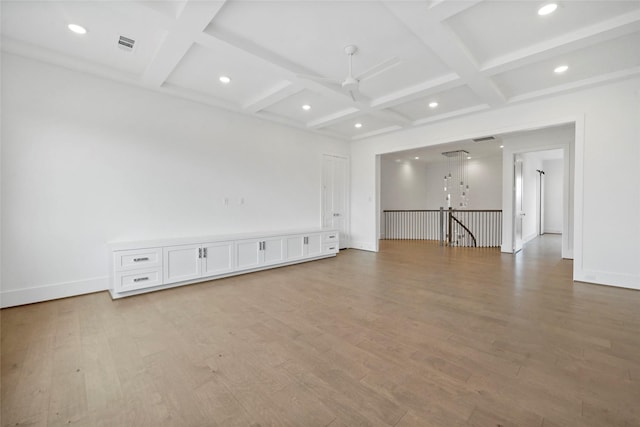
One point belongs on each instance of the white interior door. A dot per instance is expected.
(335, 180)
(518, 204)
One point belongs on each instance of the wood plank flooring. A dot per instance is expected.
(415, 335)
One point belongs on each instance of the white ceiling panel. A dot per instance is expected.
(608, 57)
(370, 124)
(495, 28)
(44, 24)
(451, 100)
(313, 34)
(201, 68)
(291, 107)
(466, 55)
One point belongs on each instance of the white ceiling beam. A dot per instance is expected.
(589, 82)
(418, 91)
(597, 33)
(332, 118)
(376, 132)
(273, 95)
(441, 10)
(290, 69)
(445, 43)
(193, 19)
(451, 114)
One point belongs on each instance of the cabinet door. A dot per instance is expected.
(296, 247)
(217, 258)
(314, 245)
(274, 250)
(248, 254)
(181, 263)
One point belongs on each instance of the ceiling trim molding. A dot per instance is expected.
(584, 37)
(193, 19)
(580, 84)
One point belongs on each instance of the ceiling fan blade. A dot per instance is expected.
(379, 68)
(358, 97)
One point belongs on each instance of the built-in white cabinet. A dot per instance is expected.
(138, 267)
(188, 262)
(303, 246)
(254, 253)
(218, 258)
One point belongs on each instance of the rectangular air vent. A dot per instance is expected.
(126, 43)
(485, 139)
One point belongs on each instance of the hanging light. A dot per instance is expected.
(457, 195)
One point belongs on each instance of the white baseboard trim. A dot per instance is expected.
(365, 246)
(629, 281)
(552, 231)
(15, 297)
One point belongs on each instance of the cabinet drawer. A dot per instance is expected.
(137, 258)
(330, 237)
(137, 279)
(330, 248)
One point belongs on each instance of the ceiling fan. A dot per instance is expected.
(351, 84)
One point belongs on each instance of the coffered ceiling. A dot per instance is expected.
(466, 56)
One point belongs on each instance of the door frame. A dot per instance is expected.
(569, 194)
(347, 196)
(517, 214)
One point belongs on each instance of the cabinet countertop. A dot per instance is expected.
(154, 243)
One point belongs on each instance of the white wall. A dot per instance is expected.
(553, 195)
(415, 184)
(404, 185)
(86, 161)
(531, 162)
(603, 254)
(419, 185)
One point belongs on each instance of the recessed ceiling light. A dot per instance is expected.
(561, 69)
(417, 158)
(468, 157)
(433, 104)
(358, 125)
(547, 9)
(398, 160)
(225, 79)
(502, 146)
(77, 29)
(306, 107)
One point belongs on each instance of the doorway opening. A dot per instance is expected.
(538, 197)
(411, 186)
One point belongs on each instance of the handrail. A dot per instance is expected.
(438, 210)
(475, 244)
(411, 210)
(430, 224)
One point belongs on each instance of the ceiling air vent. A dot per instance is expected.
(485, 139)
(126, 43)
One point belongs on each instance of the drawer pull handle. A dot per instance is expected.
(332, 249)
(141, 259)
(333, 236)
(140, 279)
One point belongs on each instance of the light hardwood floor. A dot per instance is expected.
(416, 335)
